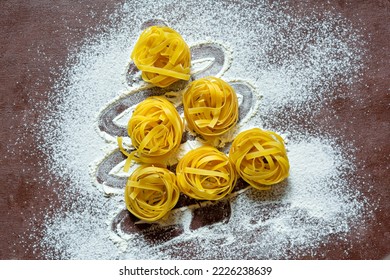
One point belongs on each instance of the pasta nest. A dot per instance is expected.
(162, 55)
(206, 174)
(151, 192)
(155, 129)
(260, 158)
(210, 107)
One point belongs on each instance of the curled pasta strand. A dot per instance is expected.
(206, 174)
(130, 156)
(151, 192)
(155, 129)
(260, 158)
(210, 107)
(162, 55)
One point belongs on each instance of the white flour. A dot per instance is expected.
(294, 63)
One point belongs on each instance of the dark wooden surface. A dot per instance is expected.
(36, 37)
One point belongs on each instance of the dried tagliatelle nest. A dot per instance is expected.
(260, 158)
(206, 174)
(210, 108)
(162, 55)
(155, 129)
(151, 192)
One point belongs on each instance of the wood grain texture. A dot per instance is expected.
(36, 37)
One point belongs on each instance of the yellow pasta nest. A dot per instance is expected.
(155, 129)
(206, 174)
(260, 158)
(151, 192)
(210, 107)
(162, 55)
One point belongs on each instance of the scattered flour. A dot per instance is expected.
(293, 62)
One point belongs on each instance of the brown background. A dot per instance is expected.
(36, 37)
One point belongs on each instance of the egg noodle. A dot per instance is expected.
(206, 174)
(260, 158)
(210, 107)
(151, 192)
(162, 55)
(155, 130)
